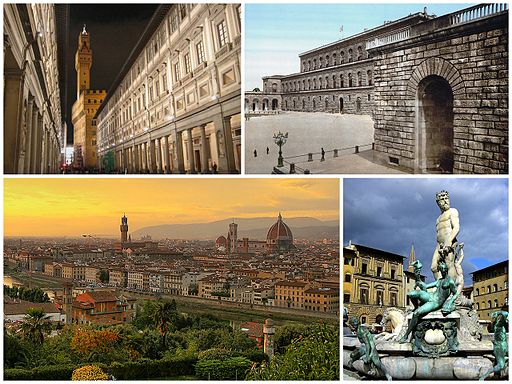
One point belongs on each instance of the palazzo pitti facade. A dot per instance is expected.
(32, 100)
(175, 107)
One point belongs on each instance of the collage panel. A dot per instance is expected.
(122, 88)
(174, 278)
(376, 88)
(425, 288)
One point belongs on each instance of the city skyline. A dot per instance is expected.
(52, 207)
(302, 27)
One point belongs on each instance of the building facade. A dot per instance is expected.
(490, 289)
(334, 78)
(32, 95)
(85, 107)
(175, 106)
(376, 281)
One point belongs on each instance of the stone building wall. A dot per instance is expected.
(470, 60)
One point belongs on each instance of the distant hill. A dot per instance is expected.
(254, 228)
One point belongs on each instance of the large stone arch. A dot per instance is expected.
(439, 67)
(433, 87)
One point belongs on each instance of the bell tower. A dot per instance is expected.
(83, 62)
(124, 229)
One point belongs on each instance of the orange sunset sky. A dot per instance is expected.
(70, 207)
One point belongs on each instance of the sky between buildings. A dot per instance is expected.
(275, 34)
(394, 214)
(71, 207)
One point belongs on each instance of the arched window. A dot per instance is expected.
(333, 81)
(350, 55)
(369, 77)
(326, 103)
(326, 82)
(309, 65)
(334, 58)
(314, 63)
(477, 291)
(358, 104)
(489, 304)
(314, 83)
(342, 57)
(477, 306)
(495, 303)
(341, 81)
(327, 61)
(350, 80)
(359, 53)
(495, 287)
(314, 104)
(303, 66)
(309, 84)
(359, 79)
(321, 62)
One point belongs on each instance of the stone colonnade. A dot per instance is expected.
(204, 148)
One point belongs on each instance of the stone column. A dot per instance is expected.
(167, 158)
(13, 94)
(33, 144)
(152, 157)
(204, 149)
(230, 154)
(179, 152)
(28, 139)
(190, 147)
(39, 145)
(158, 151)
(44, 165)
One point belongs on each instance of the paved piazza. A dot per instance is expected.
(309, 132)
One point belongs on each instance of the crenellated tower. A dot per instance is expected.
(83, 62)
(124, 229)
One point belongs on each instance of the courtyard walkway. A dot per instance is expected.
(309, 133)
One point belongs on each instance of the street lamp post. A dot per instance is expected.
(280, 139)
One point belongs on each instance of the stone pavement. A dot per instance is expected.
(309, 132)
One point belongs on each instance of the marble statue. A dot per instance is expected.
(367, 351)
(500, 343)
(443, 298)
(397, 318)
(448, 248)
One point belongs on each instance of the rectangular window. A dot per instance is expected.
(222, 33)
(364, 269)
(379, 271)
(177, 71)
(200, 52)
(157, 87)
(188, 65)
(348, 278)
(393, 301)
(393, 273)
(164, 82)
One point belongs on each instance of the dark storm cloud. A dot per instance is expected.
(393, 214)
(114, 31)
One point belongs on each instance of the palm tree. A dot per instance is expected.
(163, 316)
(35, 325)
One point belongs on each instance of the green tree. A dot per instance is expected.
(35, 325)
(311, 356)
(164, 314)
(104, 276)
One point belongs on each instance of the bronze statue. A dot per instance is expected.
(426, 302)
(500, 342)
(367, 351)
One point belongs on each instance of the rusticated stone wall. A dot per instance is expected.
(472, 59)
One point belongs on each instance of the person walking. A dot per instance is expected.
(323, 155)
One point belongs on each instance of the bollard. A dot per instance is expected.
(292, 167)
(357, 149)
(335, 153)
(310, 157)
